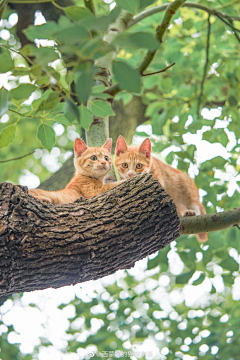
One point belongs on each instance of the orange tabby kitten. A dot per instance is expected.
(131, 160)
(92, 165)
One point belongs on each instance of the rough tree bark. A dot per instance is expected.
(44, 245)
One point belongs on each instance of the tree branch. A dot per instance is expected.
(161, 29)
(160, 8)
(44, 245)
(205, 67)
(171, 10)
(228, 24)
(17, 158)
(209, 222)
(160, 71)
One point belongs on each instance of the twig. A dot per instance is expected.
(235, 33)
(161, 29)
(89, 4)
(160, 71)
(18, 158)
(225, 22)
(228, 4)
(205, 67)
(237, 226)
(154, 10)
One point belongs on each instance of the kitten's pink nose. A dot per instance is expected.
(131, 175)
(103, 163)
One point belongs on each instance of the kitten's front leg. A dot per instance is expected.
(36, 194)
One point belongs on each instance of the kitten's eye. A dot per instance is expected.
(93, 157)
(106, 158)
(125, 165)
(139, 166)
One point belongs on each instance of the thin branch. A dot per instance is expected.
(18, 158)
(161, 29)
(230, 25)
(146, 61)
(209, 222)
(160, 8)
(235, 33)
(89, 4)
(160, 71)
(228, 4)
(205, 67)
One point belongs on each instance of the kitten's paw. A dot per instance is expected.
(202, 237)
(43, 198)
(190, 213)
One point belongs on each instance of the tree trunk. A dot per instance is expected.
(44, 245)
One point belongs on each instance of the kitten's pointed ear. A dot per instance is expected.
(146, 148)
(121, 146)
(108, 145)
(79, 147)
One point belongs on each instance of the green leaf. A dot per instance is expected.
(6, 62)
(232, 101)
(183, 278)
(140, 40)
(199, 280)
(72, 108)
(145, 40)
(86, 117)
(44, 31)
(101, 108)
(4, 100)
(84, 83)
(7, 135)
(152, 263)
(228, 279)
(23, 91)
(48, 104)
(77, 13)
(43, 55)
(218, 161)
(46, 135)
(230, 264)
(73, 35)
(61, 119)
(144, 3)
(128, 78)
(130, 5)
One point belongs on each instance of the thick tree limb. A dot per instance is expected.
(44, 245)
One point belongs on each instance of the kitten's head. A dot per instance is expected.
(95, 162)
(131, 160)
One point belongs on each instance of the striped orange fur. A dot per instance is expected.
(92, 164)
(131, 160)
